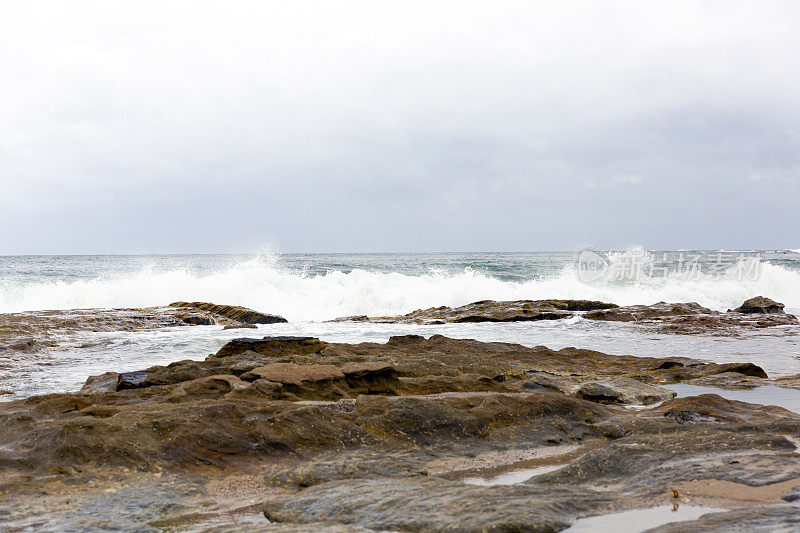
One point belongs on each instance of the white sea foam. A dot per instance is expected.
(262, 284)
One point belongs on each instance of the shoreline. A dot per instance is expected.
(312, 434)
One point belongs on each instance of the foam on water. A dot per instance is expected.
(265, 284)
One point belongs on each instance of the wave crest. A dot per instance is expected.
(263, 285)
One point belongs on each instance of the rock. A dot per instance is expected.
(131, 380)
(745, 369)
(334, 432)
(765, 518)
(240, 314)
(291, 374)
(492, 311)
(669, 364)
(430, 504)
(33, 332)
(199, 320)
(327, 382)
(217, 385)
(623, 391)
(103, 383)
(274, 346)
(681, 318)
(692, 318)
(4, 392)
(659, 311)
(792, 496)
(760, 304)
(240, 326)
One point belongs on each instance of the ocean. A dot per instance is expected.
(309, 289)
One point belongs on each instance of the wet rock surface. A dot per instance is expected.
(322, 436)
(34, 331)
(692, 318)
(491, 311)
(681, 318)
(760, 305)
(239, 314)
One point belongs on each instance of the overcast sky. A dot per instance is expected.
(398, 126)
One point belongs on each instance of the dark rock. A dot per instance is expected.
(240, 314)
(199, 320)
(760, 304)
(682, 417)
(131, 380)
(746, 369)
(792, 496)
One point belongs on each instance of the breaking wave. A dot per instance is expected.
(260, 283)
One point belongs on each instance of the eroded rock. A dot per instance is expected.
(234, 312)
(623, 391)
(692, 318)
(345, 433)
(681, 318)
(492, 311)
(761, 305)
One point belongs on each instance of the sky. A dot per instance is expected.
(376, 126)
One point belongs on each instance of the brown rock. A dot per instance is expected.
(291, 374)
(240, 326)
(343, 432)
(240, 314)
(103, 383)
(692, 318)
(492, 311)
(271, 346)
(761, 305)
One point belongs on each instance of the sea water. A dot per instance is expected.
(309, 289)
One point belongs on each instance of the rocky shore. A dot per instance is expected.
(682, 318)
(37, 330)
(298, 434)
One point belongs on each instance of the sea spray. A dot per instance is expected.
(311, 289)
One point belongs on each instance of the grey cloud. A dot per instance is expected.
(370, 126)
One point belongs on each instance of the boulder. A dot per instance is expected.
(760, 305)
(131, 380)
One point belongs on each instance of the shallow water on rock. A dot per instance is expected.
(511, 478)
(80, 355)
(764, 395)
(638, 520)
